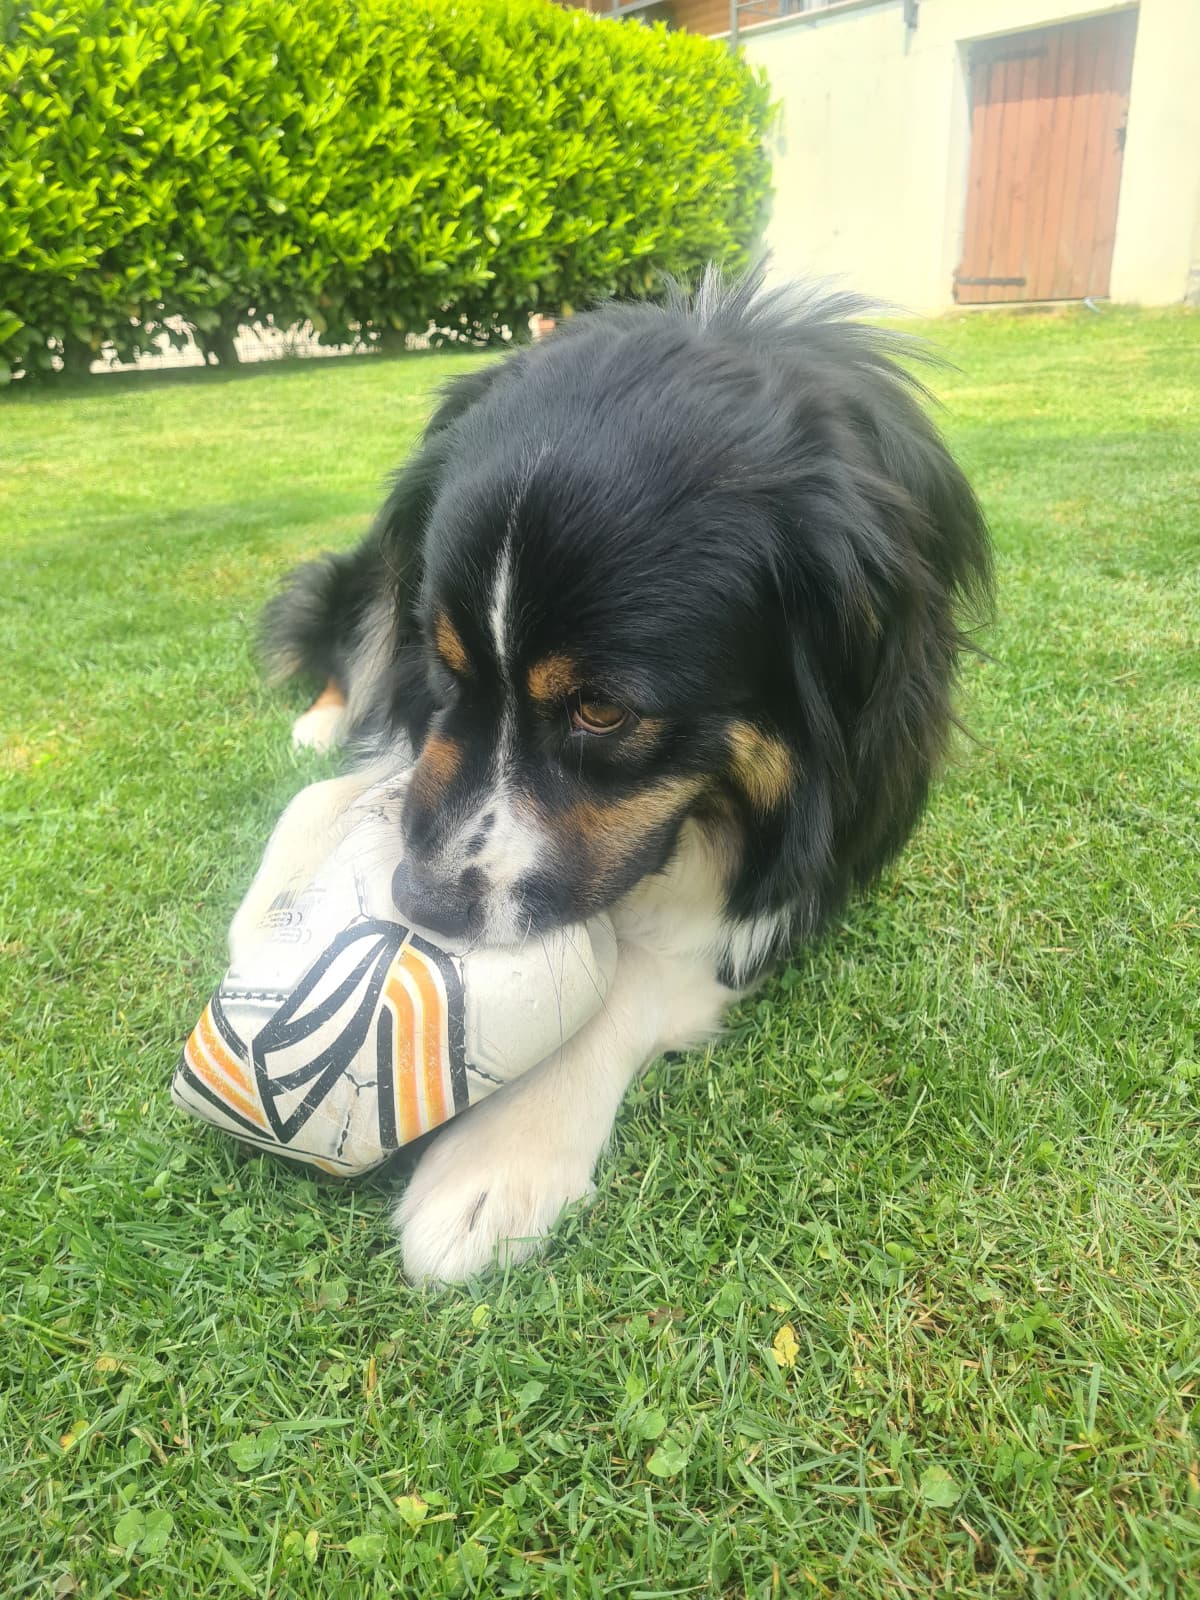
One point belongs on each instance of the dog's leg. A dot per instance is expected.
(320, 727)
(307, 832)
(493, 1184)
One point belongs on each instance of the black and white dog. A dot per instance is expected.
(667, 611)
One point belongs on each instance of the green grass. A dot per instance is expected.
(955, 1149)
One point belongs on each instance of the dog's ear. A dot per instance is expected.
(461, 393)
(400, 525)
(931, 584)
(394, 550)
(881, 554)
(349, 616)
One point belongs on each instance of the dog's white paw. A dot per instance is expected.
(486, 1192)
(318, 728)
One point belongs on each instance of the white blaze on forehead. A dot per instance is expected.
(500, 622)
(501, 605)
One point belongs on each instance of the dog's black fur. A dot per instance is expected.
(734, 521)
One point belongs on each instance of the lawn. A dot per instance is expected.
(895, 1290)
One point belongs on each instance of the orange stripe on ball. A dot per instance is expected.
(433, 1033)
(210, 1060)
(396, 993)
(219, 1052)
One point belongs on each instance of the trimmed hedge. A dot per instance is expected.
(368, 165)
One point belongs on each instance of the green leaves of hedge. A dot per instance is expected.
(370, 167)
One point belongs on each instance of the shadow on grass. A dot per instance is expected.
(60, 385)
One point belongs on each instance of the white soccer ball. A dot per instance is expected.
(340, 1033)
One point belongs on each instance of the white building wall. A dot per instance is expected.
(873, 138)
(1156, 255)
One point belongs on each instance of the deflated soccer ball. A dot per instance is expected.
(339, 1033)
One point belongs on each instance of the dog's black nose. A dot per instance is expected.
(450, 906)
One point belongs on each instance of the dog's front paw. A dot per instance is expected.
(486, 1192)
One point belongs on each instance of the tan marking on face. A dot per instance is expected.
(439, 761)
(330, 695)
(761, 765)
(610, 832)
(449, 645)
(723, 829)
(552, 678)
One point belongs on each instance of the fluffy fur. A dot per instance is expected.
(668, 610)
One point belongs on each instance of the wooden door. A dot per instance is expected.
(1048, 112)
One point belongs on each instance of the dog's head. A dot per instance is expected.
(699, 561)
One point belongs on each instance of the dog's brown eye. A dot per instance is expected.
(589, 715)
